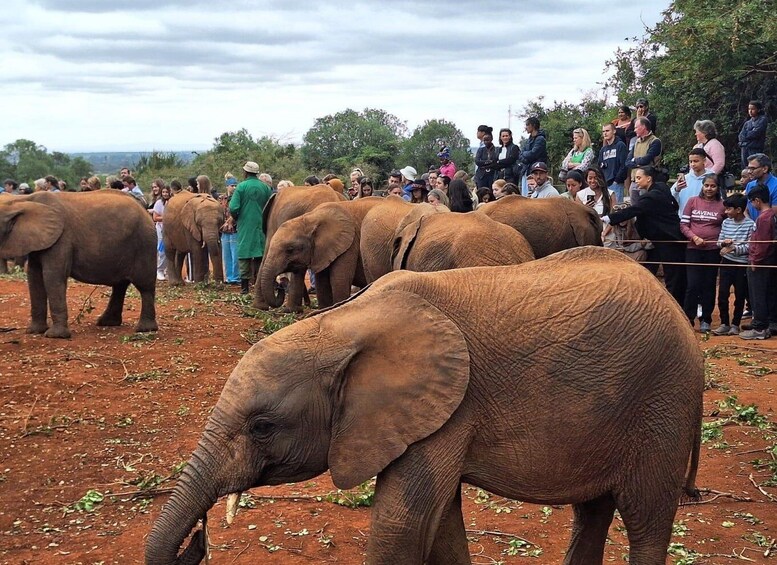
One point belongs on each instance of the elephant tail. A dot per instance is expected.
(690, 488)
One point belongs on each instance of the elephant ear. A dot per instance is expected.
(28, 226)
(585, 227)
(332, 232)
(403, 245)
(206, 207)
(267, 210)
(189, 217)
(390, 397)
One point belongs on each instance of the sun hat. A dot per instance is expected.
(445, 153)
(409, 173)
(231, 181)
(251, 167)
(539, 166)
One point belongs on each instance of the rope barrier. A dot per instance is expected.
(745, 265)
(685, 241)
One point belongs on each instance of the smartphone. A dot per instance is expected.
(590, 198)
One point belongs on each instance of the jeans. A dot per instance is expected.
(736, 277)
(524, 186)
(229, 257)
(700, 287)
(618, 190)
(763, 296)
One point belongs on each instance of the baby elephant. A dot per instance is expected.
(95, 237)
(538, 395)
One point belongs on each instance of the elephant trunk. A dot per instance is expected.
(214, 252)
(273, 295)
(195, 493)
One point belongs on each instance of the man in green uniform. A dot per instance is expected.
(246, 207)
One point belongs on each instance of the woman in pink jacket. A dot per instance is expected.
(707, 137)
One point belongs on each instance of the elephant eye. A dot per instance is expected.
(262, 428)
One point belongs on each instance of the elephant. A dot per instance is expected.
(549, 224)
(291, 202)
(379, 228)
(95, 237)
(191, 225)
(438, 242)
(565, 393)
(326, 240)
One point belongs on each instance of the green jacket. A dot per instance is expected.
(246, 207)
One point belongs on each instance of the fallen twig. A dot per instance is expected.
(771, 547)
(86, 306)
(498, 533)
(760, 489)
(242, 551)
(27, 419)
(717, 495)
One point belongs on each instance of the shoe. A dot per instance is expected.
(723, 329)
(747, 314)
(704, 328)
(755, 334)
(243, 286)
(312, 290)
(161, 278)
(734, 330)
(746, 327)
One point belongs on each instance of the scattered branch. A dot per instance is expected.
(27, 419)
(717, 495)
(761, 489)
(502, 534)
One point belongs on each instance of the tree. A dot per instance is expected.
(26, 161)
(420, 149)
(706, 59)
(338, 142)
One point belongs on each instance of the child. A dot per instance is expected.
(733, 243)
(761, 281)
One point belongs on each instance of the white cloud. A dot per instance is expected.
(95, 75)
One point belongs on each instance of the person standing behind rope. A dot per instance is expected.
(246, 207)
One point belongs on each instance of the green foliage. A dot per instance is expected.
(370, 139)
(88, 502)
(421, 148)
(706, 59)
(362, 495)
(26, 161)
(559, 119)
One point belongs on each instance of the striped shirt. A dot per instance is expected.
(739, 233)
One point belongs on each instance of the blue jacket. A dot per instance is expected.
(612, 162)
(534, 149)
(753, 133)
(771, 183)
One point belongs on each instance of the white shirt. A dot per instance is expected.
(583, 195)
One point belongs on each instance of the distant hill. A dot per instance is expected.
(111, 162)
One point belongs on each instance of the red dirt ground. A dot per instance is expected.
(115, 414)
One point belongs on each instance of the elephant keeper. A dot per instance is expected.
(246, 207)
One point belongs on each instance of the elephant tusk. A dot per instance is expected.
(232, 503)
(206, 539)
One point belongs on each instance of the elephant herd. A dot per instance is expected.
(518, 376)
(354, 243)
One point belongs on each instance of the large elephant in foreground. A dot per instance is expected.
(291, 202)
(549, 224)
(437, 242)
(191, 225)
(95, 237)
(538, 395)
(325, 240)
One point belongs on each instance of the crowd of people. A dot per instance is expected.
(707, 237)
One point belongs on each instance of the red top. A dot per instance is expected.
(702, 218)
(762, 253)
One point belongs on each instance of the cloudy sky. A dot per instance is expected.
(105, 75)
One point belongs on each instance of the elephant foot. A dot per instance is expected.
(291, 309)
(37, 328)
(146, 326)
(260, 305)
(108, 320)
(58, 332)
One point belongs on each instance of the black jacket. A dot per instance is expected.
(506, 168)
(534, 149)
(485, 159)
(656, 213)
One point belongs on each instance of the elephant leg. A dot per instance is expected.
(589, 531)
(3, 267)
(199, 264)
(648, 508)
(147, 321)
(324, 288)
(55, 283)
(450, 544)
(38, 298)
(411, 497)
(112, 314)
(296, 290)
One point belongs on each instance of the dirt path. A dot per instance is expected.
(93, 429)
